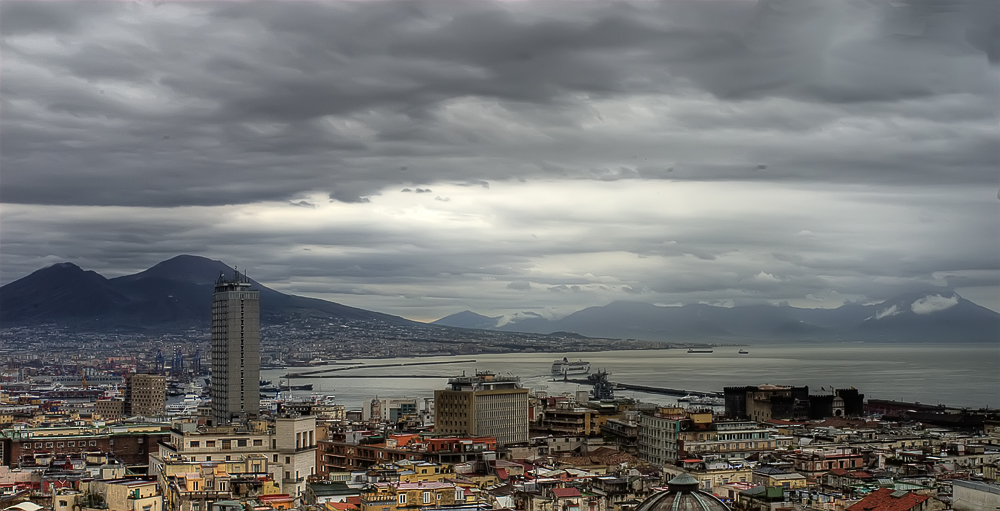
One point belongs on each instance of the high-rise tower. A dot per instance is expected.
(235, 349)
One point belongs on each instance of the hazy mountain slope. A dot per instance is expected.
(174, 294)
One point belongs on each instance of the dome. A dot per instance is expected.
(682, 494)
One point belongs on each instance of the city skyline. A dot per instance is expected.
(513, 157)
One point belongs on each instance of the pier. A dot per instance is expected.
(312, 374)
(651, 390)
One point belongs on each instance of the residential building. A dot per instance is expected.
(109, 409)
(145, 395)
(483, 405)
(235, 350)
(131, 443)
(815, 463)
(288, 443)
(400, 496)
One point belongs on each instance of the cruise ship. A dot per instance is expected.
(565, 367)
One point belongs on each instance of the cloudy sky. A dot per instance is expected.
(425, 157)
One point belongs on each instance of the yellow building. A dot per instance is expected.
(403, 496)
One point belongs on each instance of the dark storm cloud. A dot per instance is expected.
(425, 155)
(173, 104)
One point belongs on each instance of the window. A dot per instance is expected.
(208, 458)
(241, 442)
(195, 506)
(427, 497)
(195, 443)
(48, 444)
(257, 442)
(275, 458)
(93, 443)
(229, 458)
(402, 498)
(287, 460)
(72, 444)
(63, 503)
(227, 444)
(60, 444)
(209, 443)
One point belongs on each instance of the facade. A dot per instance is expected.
(389, 409)
(729, 439)
(658, 438)
(814, 464)
(483, 405)
(235, 350)
(288, 444)
(191, 486)
(146, 395)
(765, 402)
(109, 409)
(130, 443)
(400, 496)
(624, 432)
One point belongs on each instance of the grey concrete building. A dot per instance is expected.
(146, 395)
(235, 349)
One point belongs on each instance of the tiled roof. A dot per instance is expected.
(886, 499)
(566, 492)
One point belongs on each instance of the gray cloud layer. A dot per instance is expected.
(134, 131)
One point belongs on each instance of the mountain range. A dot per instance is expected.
(176, 295)
(930, 316)
(173, 295)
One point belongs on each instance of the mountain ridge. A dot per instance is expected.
(920, 316)
(174, 294)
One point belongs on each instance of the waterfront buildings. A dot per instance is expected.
(235, 350)
(483, 405)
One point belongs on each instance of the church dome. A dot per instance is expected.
(682, 494)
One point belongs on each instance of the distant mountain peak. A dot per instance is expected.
(469, 319)
(172, 295)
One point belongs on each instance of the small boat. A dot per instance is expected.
(744, 352)
(701, 350)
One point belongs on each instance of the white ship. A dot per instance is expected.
(185, 408)
(565, 367)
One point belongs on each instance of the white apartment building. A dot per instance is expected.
(288, 443)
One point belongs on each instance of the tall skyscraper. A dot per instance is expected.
(235, 349)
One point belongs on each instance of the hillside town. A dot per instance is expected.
(109, 433)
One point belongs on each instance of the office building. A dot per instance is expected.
(145, 395)
(483, 405)
(235, 350)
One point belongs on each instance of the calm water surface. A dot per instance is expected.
(954, 374)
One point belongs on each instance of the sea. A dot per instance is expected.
(959, 375)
